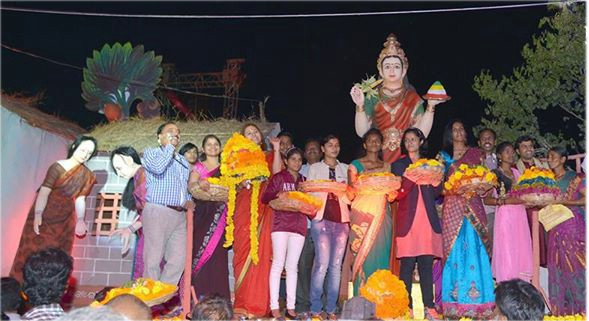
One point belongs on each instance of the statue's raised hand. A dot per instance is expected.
(357, 96)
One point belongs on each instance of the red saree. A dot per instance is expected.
(59, 219)
(252, 293)
(392, 115)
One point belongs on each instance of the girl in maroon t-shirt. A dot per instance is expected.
(288, 233)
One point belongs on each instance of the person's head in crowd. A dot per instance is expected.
(285, 141)
(330, 147)
(413, 141)
(212, 307)
(131, 307)
(46, 273)
(557, 158)
(211, 147)
(293, 160)
(506, 153)
(102, 313)
(82, 149)
(454, 133)
(525, 148)
(313, 151)
(168, 133)
(252, 132)
(11, 295)
(190, 152)
(518, 300)
(487, 139)
(372, 142)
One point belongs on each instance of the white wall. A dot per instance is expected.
(26, 154)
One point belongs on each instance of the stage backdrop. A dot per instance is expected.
(27, 151)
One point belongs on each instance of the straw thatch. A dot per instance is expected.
(140, 133)
(26, 108)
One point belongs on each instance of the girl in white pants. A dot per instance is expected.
(288, 234)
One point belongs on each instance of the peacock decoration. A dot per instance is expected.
(116, 76)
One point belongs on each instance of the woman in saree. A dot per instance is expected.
(418, 229)
(392, 107)
(566, 241)
(209, 257)
(467, 282)
(252, 293)
(370, 218)
(127, 164)
(60, 205)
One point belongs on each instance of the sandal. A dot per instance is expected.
(276, 313)
(291, 315)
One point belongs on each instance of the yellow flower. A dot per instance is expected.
(303, 197)
(388, 293)
(462, 167)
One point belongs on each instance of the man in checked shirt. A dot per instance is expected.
(164, 215)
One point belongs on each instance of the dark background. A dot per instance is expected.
(306, 65)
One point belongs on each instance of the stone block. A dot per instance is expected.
(94, 279)
(84, 265)
(97, 252)
(108, 266)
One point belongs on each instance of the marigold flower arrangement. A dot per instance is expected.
(323, 185)
(536, 185)
(297, 202)
(377, 183)
(430, 170)
(147, 290)
(388, 293)
(467, 178)
(242, 160)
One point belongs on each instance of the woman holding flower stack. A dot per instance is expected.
(467, 282)
(288, 233)
(370, 218)
(512, 242)
(209, 257)
(418, 231)
(252, 294)
(329, 229)
(566, 241)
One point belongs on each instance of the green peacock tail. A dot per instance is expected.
(120, 74)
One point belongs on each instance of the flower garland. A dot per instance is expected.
(254, 242)
(305, 198)
(388, 293)
(466, 174)
(242, 160)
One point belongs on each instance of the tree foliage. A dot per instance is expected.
(548, 90)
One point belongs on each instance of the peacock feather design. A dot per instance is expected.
(119, 75)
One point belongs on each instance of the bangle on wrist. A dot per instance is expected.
(359, 109)
(132, 228)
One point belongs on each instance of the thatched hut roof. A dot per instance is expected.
(141, 133)
(26, 108)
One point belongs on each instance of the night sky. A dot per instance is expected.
(306, 65)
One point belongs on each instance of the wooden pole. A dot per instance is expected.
(187, 264)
